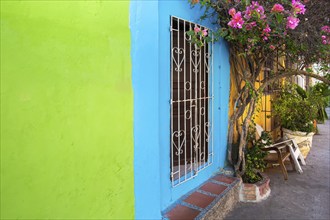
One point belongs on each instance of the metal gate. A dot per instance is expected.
(191, 103)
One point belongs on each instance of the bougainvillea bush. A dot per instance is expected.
(270, 25)
(290, 34)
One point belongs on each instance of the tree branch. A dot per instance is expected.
(287, 73)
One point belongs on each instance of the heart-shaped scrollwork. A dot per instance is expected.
(195, 59)
(178, 140)
(195, 134)
(178, 56)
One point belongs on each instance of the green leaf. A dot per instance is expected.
(279, 17)
(223, 32)
(190, 33)
(208, 39)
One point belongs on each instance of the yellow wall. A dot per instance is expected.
(263, 104)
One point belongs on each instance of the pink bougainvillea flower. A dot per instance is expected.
(254, 7)
(324, 42)
(298, 7)
(253, 23)
(292, 22)
(232, 12)
(255, 4)
(323, 37)
(197, 29)
(267, 29)
(247, 13)
(237, 21)
(250, 25)
(260, 10)
(265, 32)
(204, 32)
(326, 29)
(277, 8)
(272, 47)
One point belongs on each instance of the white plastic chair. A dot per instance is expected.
(292, 151)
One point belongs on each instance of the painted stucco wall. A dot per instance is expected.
(66, 110)
(150, 27)
(263, 110)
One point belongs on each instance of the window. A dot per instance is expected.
(270, 122)
(268, 72)
(191, 104)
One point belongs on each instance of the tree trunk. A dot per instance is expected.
(240, 165)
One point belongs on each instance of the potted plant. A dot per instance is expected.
(297, 115)
(255, 186)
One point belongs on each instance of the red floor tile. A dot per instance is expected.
(182, 212)
(213, 188)
(199, 199)
(224, 179)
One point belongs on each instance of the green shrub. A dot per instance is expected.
(254, 156)
(295, 112)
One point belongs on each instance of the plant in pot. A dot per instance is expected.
(255, 185)
(297, 115)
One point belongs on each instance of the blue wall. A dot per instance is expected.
(150, 30)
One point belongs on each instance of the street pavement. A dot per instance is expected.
(302, 196)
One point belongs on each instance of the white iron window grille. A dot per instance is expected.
(191, 103)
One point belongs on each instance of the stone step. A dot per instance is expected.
(214, 199)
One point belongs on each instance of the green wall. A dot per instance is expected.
(66, 110)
